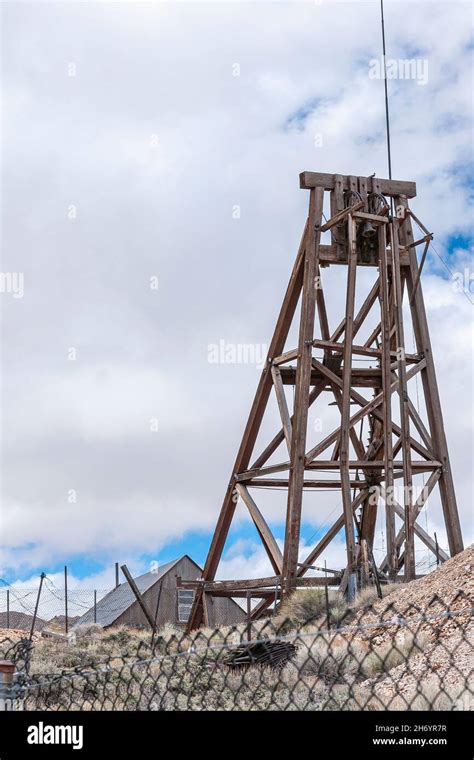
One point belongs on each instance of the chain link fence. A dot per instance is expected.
(403, 658)
(52, 610)
(17, 607)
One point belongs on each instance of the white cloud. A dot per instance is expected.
(166, 69)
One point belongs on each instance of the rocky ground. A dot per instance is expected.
(437, 610)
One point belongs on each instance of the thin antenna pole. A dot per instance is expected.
(387, 115)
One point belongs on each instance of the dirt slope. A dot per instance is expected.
(445, 664)
(449, 588)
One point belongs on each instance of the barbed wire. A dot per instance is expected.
(375, 657)
(396, 621)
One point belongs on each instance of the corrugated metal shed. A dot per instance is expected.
(114, 604)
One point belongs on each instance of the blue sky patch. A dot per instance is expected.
(297, 119)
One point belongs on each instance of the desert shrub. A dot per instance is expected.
(309, 606)
(120, 636)
(88, 632)
(328, 656)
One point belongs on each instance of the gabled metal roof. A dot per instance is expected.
(113, 604)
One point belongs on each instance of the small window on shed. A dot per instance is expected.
(185, 602)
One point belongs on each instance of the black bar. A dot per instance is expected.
(371, 734)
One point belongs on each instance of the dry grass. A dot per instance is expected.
(308, 607)
(332, 670)
(390, 654)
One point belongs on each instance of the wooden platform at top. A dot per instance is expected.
(389, 187)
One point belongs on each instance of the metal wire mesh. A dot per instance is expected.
(17, 606)
(404, 658)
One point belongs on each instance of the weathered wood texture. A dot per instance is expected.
(302, 388)
(385, 452)
(309, 180)
(226, 612)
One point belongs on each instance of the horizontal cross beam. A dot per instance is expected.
(309, 180)
(214, 587)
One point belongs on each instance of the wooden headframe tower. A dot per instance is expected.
(370, 225)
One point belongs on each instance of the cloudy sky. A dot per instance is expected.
(150, 161)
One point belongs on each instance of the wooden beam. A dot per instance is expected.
(373, 335)
(368, 408)
(409, 565)
(258, 472)
(262, 593)
(342, 215)
(362, 350)
(318, 389)
(138, 597)
(417, 529)
(420, 426)
(417, 507)
(346, 410)
(337, 204)
(369, 464)
(321, 305)
(361, 377)
(430, 388)
(302, 389)
(331, 533)
(268, 540)
(205, 609)
(329, 256)
(309, 180)
(386, 358)
(361, 315)
(280, 436)
(282, 406)
(288, 356)
(247, 584)
(315, 553)
(332, 377)
(284, 482)
(371, 217)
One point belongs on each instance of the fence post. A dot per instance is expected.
(95, 606)
(42, 577)
(156, 615)
(8, 608)
(66, 624)
(7, 690)
(138, 597)
(326, 594)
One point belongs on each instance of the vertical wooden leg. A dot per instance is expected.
(205, 609)
(346, 413)
(364, 563)
(409, 564)
(430, 389)
(386, 360)
(302, 388)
